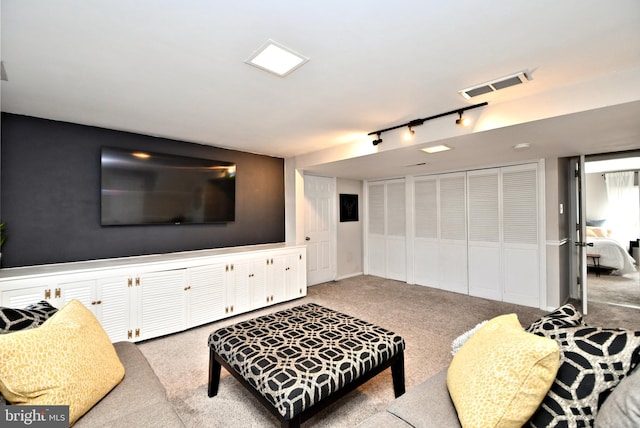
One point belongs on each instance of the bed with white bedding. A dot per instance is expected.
(612, 255)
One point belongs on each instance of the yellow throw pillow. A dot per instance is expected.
(68, 360)
(501, 374)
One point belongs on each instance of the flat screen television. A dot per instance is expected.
(140, 187)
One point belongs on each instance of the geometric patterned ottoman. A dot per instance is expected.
(298, 360)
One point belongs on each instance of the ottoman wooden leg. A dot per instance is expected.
(397, 374)
(214, 374)
(291, 423)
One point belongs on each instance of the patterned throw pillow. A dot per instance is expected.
(69, 360)
(21, 319)
(501, 374)
(564, 316)
(593, 361)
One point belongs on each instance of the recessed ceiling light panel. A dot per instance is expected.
(276, 58)
(436, 149)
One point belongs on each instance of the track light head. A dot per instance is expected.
(462, 122)
(409, 134)
(377, 141)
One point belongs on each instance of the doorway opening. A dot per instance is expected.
(612, 202)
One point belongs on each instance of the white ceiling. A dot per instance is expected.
(177, 69)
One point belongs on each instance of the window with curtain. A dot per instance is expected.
(624, 206)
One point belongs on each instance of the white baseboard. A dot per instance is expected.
(351, 275)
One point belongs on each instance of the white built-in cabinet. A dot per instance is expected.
(139, 298)
(386, 238)
(472, 232)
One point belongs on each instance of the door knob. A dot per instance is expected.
(307, 239)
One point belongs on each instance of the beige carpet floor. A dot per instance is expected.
(614, 289)
(427, 318)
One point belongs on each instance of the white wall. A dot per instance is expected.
(558, 245)
(350, 238)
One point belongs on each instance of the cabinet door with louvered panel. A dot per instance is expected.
(160, 303)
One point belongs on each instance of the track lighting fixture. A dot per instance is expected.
(462, 122)
(418, 122)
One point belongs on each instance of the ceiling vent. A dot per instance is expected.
(495, 85)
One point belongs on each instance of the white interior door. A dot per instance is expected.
(319, 224)
(485, 246)
(452, 230)
(376, 253)
(520, 235)
(396, 241)
(578, 233)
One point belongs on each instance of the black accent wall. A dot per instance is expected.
(50, 196)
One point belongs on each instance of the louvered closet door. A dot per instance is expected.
(396, 242)
(521, 255)
(452, 251)
(387, 229)
(376, 234)
(425, 241)
(484, 247)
